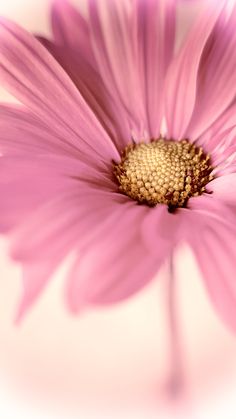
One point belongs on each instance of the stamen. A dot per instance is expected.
(163, 172)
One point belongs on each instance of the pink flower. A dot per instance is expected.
(67, 185)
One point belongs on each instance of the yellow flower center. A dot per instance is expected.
(163, 172)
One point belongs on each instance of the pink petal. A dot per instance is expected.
(28, 183)
(222, 150)
(66, 224)
(224, 160)
(156, 35)
(214, 138)
(214, 247)
(35, 278)
(114, 44)
(216, 76)
(219, 141)
(50, 93)
(162, 230)
(181, 83)
(76, 212)
(42, 250)
(108, 110)
(21, 131)
(115, 264)
(223, 188)
(25, 188)
(213, 207)
(70, 29)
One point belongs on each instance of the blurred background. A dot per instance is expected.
(112, 361)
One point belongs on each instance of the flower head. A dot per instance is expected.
(163, 172)
(87, 169)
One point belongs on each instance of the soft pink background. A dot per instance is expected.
(110, 358)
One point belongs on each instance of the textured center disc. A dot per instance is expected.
(163, 172)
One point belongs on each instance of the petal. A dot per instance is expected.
(216, 76)
(214, 247)
(162, 230)
(156, 35)
(215, 138)
(23, 132)
(108, 110)
(26, 184)
(35, 78)
(35, 278)
(224, 188)
(70, 29)
(211, 206)
(155, 21)
(115, 264)
(181, 83)
(114, 44)
(66, 223)
(43, 249)
(78, 211)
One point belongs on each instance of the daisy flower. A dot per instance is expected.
(120, 149)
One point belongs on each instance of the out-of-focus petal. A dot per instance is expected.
(223, 188)
(215, 139)
(216, 76)
(213, 207)
(115, 264)
(156, 35)
(214, 248)
(23, 132)
(66, 222)
(27, 183)
(36, 79)
(70, 29)
(162, 231)
(112, 115)
(181, 83)
(35, 278)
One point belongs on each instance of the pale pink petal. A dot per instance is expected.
(79, 211)
(112, 26)
(214, 247)
(220, 142)
(43, 250)
(35, 278)
(225, 124)
(213, 207)
(156, 35)
(70, 29)
(216, 76)
(28, 183)
(115, 263)
(181, 83)
(141, 34)
(25, 186)
(107, 108)
(223, 188)
(22, 132)
(221, 150)
(224, 160)
(67, 222)
(162, 230)
(43, 90)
